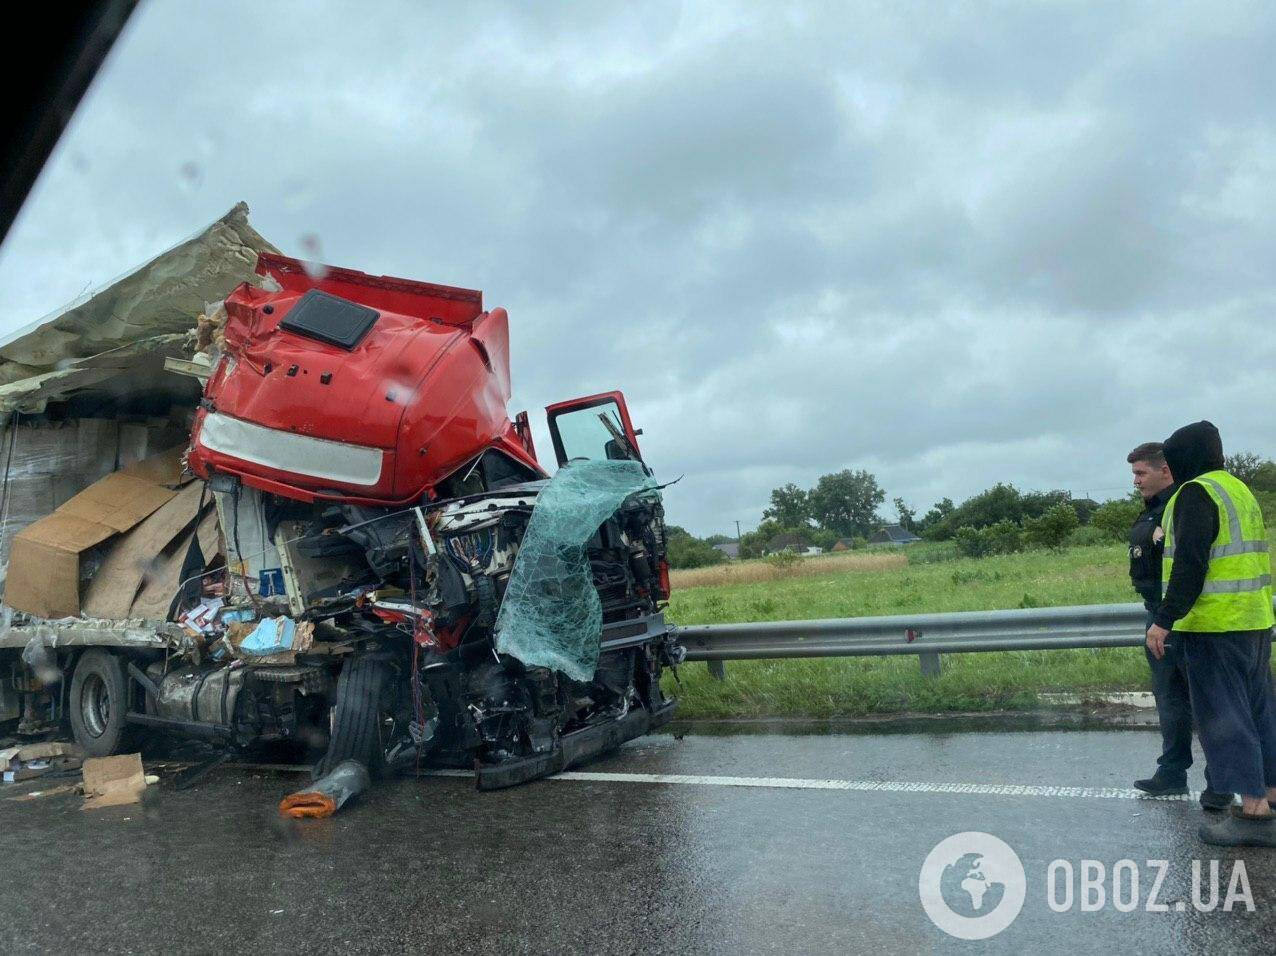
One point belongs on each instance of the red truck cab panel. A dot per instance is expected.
(379, 419)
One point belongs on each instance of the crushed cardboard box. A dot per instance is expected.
(45, 557)
(135, 557)
(113, 781)
(28, 762)
(275, 640)
(43, 751)
(44, 564)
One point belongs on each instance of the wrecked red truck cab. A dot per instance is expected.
(371, 487)
(353, 553)
(346, 386)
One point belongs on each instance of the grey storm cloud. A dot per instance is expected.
(953, 246)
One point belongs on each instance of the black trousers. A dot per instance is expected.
(1230, 677)
(1173, 696)
(1173, 709)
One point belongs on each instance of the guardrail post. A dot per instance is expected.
(931, 664)
(717, 669)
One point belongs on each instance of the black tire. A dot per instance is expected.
(98, 703)
(356, 717)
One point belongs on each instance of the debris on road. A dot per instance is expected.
(329, 793)
(113, 781)
(32, 761)
(51, 792)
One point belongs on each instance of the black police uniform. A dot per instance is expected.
(1169, 674)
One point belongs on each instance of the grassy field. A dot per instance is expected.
(922, 582)
(896, 583)
(759, 572)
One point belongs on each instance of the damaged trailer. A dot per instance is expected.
(352, 550)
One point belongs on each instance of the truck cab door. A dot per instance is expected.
(594, 427)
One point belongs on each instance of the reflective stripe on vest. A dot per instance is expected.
(1239, 545)
(1237, 587)
(1236, 595)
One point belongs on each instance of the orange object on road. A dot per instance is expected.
(328, 794)
(307, 805)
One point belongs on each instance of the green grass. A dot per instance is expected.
(884, 685)
(1094, 575)
(862, 686)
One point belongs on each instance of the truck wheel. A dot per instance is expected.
(356, 717)
(99, 701)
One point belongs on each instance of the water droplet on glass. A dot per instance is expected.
(312, 261)
(191, 174)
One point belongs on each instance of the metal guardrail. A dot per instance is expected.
(927, 635)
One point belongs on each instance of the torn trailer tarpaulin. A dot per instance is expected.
(85, 392)
(160, 298)
(551, 615)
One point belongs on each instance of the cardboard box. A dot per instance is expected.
(131, 561)
(44, 751)
(164, 468)
(113, 781)
(44, 560)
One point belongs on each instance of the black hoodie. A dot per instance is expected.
(1190, 452)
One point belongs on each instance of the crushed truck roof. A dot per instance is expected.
(341, 384)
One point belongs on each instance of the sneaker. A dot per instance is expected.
(1214, 801)
(1236, 829)
(1160, 786)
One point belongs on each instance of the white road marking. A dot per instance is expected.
(891, 786)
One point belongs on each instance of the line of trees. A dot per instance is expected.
(1003, 519)
(999, 520)
(842, 504)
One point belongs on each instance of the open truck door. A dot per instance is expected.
(593, 427)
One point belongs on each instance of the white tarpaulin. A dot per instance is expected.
(162, 297)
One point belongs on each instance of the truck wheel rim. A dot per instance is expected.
(95, 705)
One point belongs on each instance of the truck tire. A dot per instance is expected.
(356, 717)
(98, 703)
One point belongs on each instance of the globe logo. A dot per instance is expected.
(966, 888)
(972, 885)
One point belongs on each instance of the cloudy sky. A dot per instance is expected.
(1005, 242)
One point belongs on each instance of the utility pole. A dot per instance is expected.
(737, 531)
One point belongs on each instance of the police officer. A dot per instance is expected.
(1218, 603)
(1169, 673)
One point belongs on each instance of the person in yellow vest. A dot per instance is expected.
(1169, 673)
(1217, 579)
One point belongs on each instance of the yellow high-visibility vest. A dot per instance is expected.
(1237, 595)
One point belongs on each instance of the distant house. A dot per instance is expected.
(843, 544)
(730, 548)
(892, 534)
(787, 542)
(812, 551)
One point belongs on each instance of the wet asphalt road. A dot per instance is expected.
(617, 866)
